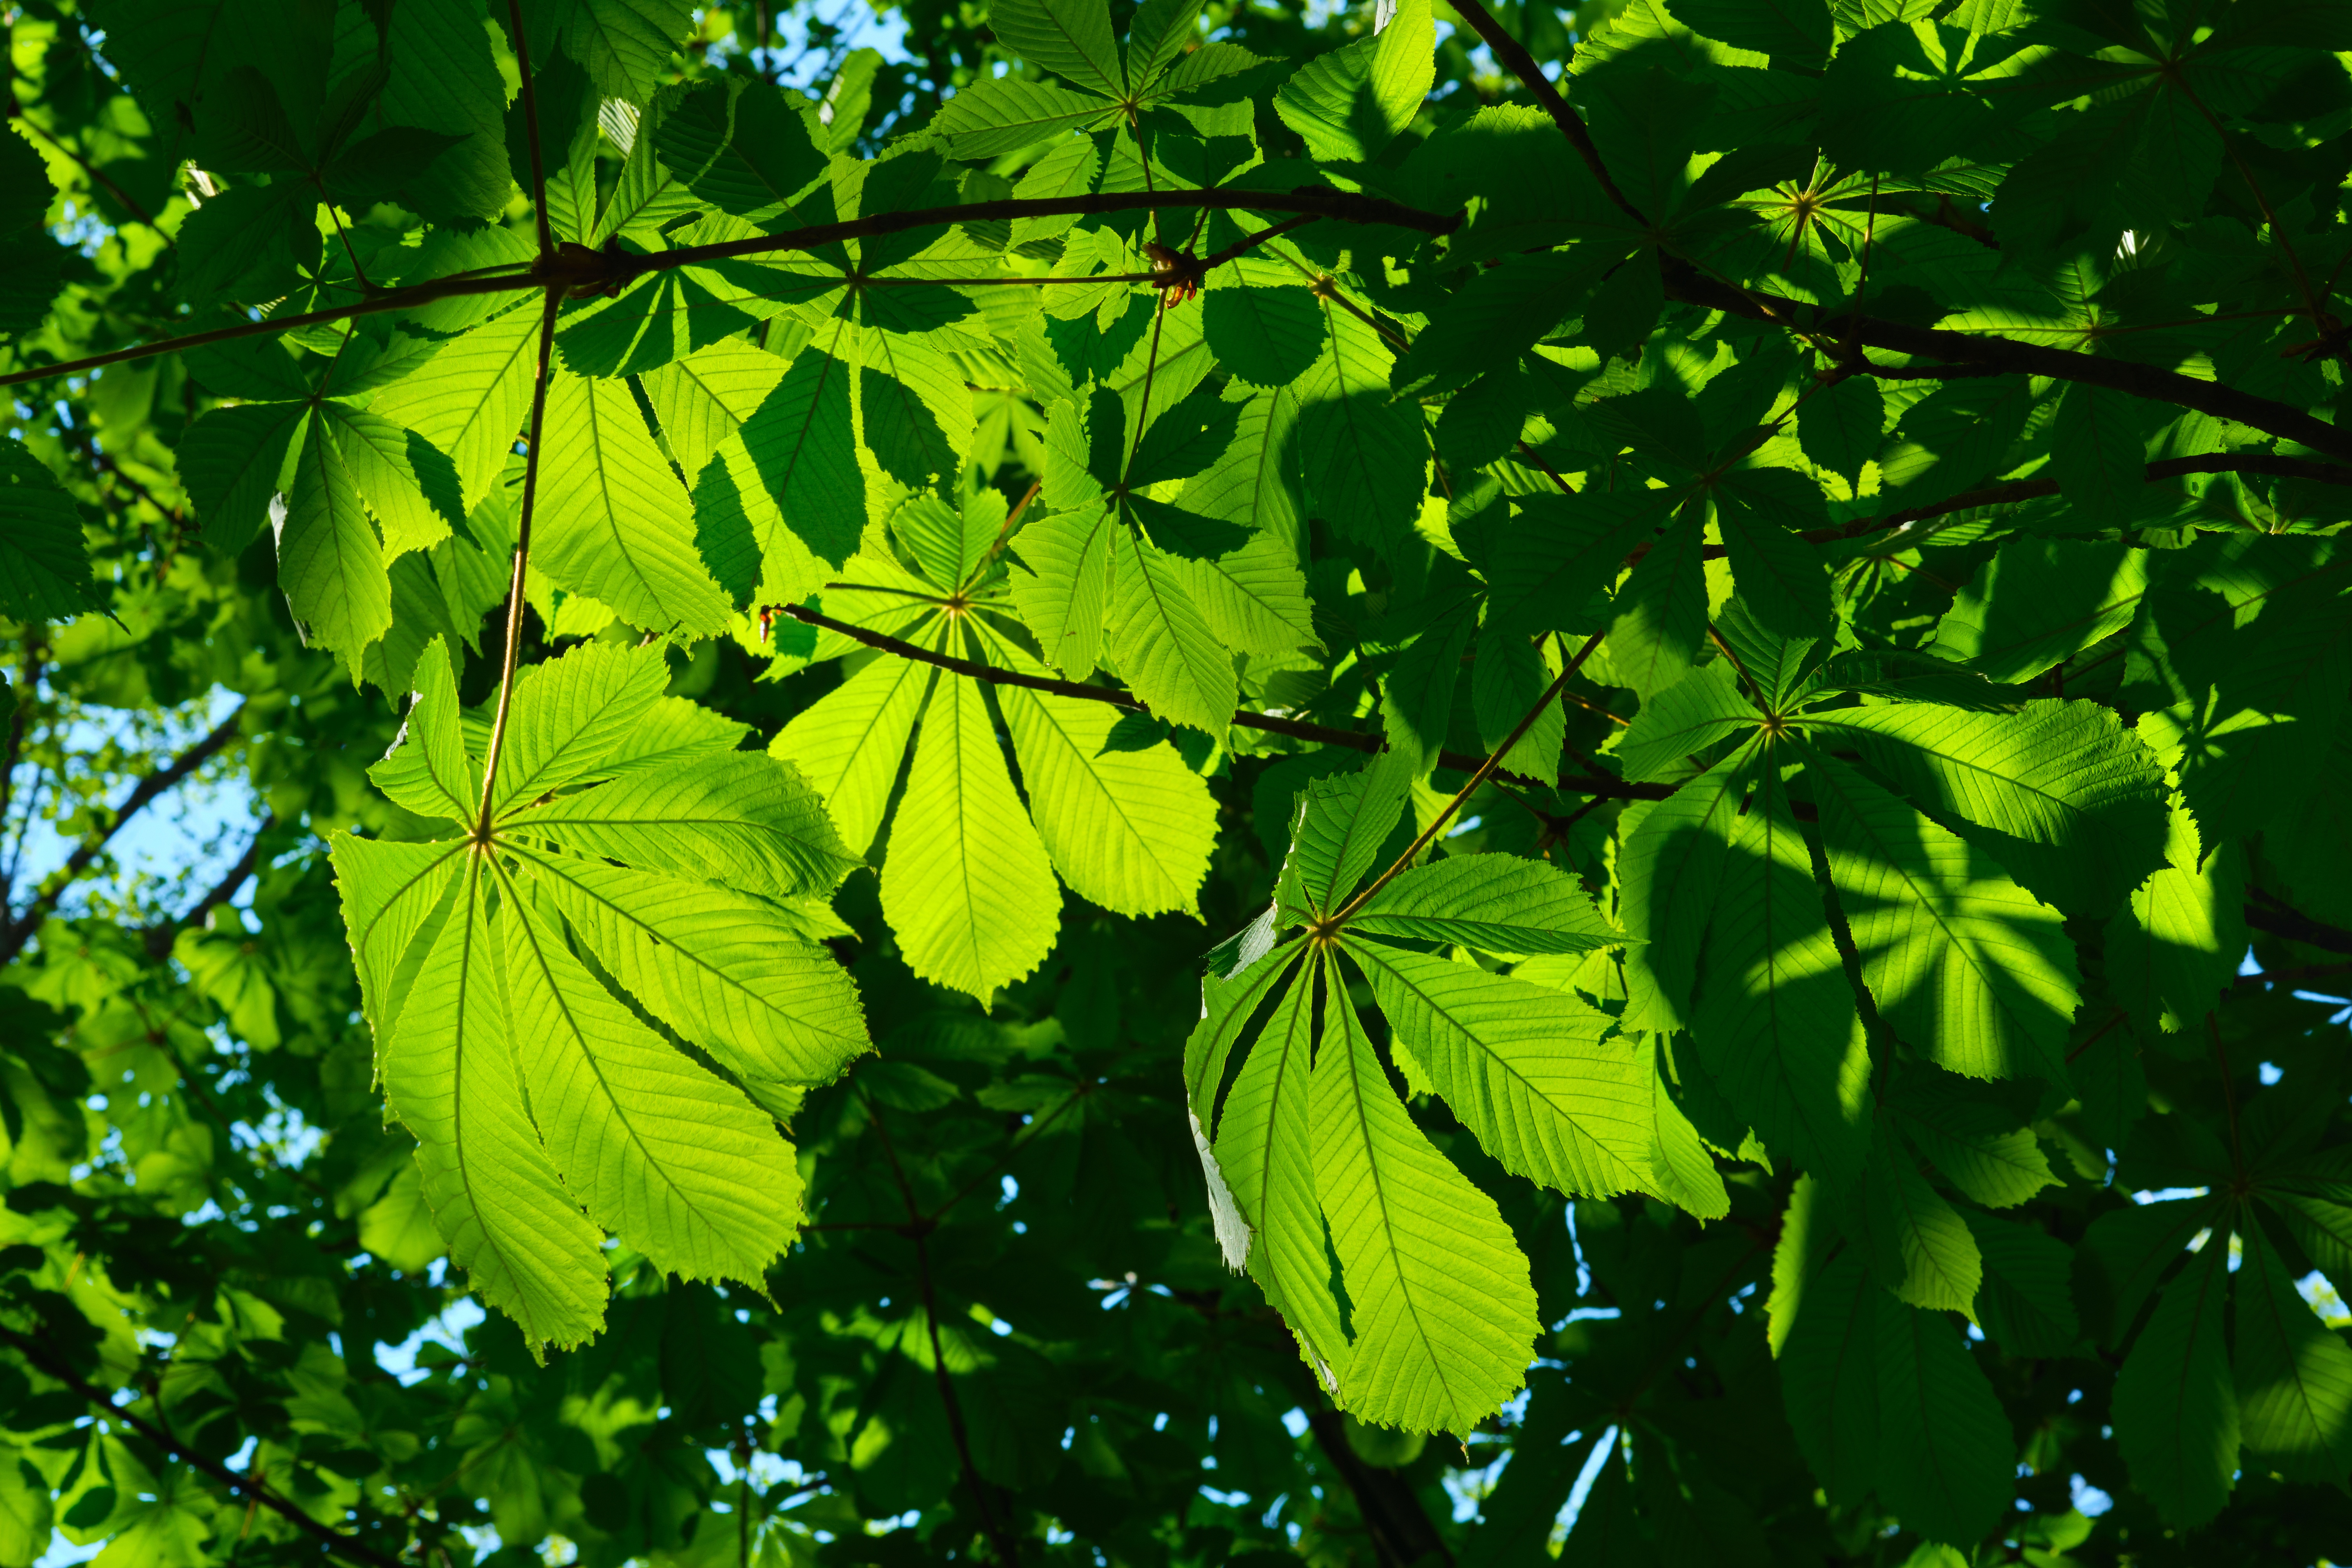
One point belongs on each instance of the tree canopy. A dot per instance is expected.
(1175, 784)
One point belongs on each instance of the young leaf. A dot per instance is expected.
(1351, 103)
(1495, 903)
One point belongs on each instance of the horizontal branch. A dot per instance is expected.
(1688, 284)
(2264, 912)
(2031, 489)
(244, 1486)
(1596, 784)
(20, 931)
(578, 269)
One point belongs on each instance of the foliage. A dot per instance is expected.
(1038, 801)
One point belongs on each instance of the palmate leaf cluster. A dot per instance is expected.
(1568, 734)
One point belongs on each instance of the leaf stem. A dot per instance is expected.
(522, 564)
(1485, 770)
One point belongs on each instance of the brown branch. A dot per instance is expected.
(97, 176)
(1688, 284)
(2264, 912)
(919, 1229)
(1513, 57)
(20, 932)
(2296, 975)
(161, 934)
(2029, 489)
(253, 1492)
(1399, 1528)
(1275, 724)
(581, 270)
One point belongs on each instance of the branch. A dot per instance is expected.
(334, 1539)
(1686, 283)
(20, 931)
(1599, 784)
(2028, 489)
(2264, 912)
(1514, 58)
(161, 934)
(532, 446)
(1400, 1527)
(580, 270)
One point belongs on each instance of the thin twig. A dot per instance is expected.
(251, 1490)
(20, 932)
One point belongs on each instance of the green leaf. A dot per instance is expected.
(1830, 1375)
(2095, 454)
(967, 887)
(849, 745)
(1129, 830)
(740, 818)
(1004, 114)
(742, 146)
(615, 523)
(2073, 802)
(1363, 453)
(1947, 1465)
(230, 460)
(1543, 1082)
(624, 44)
(1062, 584)
(787, 484)
(2027, 1301)
(572, 715)
(471, 398)
(1417, 694)
(2294, 1374)
(450, 1074)
(1266, 1146)
(1351, 103)
(1782, 580)
(1661, 612)
(384, 461)
(1770, 1009)
(1560, 552)
(1960, 960)
(428, 771)
(1920, 1248)
(329, 561)
(1444, 1314)
(656, 1147)
(1165, 648)
(2039, 603)
(729, 971)
(1502, 310)
(1684, 720)
(44, 565)
(1794, 30)
(1071, 39)
(2175, 1409)
(1336, 834)
(702, 399)
(1495, 903)
(1981, 1149)
(1267, 331)
(2173, 950)
(916, 409)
